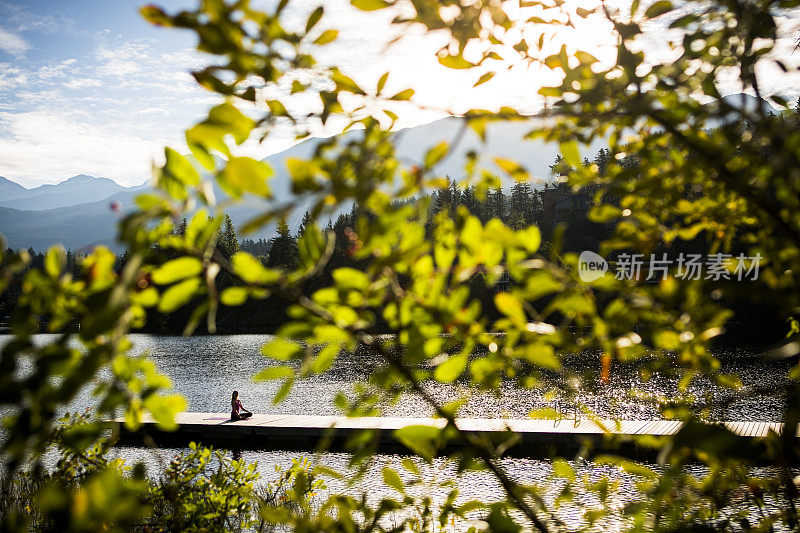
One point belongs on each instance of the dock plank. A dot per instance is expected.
(285, 431)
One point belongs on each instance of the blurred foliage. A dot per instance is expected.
(203, 490)
(680, 161)
(200, 489)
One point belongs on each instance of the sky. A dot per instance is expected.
(88, 87)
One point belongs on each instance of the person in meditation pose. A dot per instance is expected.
(237, 411)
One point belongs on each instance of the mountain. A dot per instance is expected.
(748, 102)
(86, 225)
(10, 190)
(739, 102)
(504, 139)
(77, 212)
(26, 222)
(73, 191)
(73, 226)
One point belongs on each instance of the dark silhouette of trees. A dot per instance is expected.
(228, 243)
(283, 248)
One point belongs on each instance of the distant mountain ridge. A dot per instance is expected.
(77, 212)
(11, 190)
(73, 191)
(92, 221)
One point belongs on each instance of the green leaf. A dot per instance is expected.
(436, 154)
(345, 83)
(472, 505)
(382, 82)
(234, 296)
(541, 284)
(530, 238)
(230, 120)
(499, 521)
(245, 175)
(164, 408)
(604, 213)
(274, 372)
(350, 278)
(659, 8)
(715, 440)
(684, 21)
(411, 466)
(483, 79)
(328, 36)
(572, 155)
(145, 298)
(669, 340)
(284, 391)
(180, 168)
(276, 515)
(310, 246)
(392, 479)
(314, 18)
(251, 270)
(542, 355)
(54, 261)
(155, 15)
(455, 62)
(451, 369)
(369, 5)
(277, 108)
(297, 87)
(478, 125)
(563, 469)
(512, 168)
(509, 305)
(325, 358)
(574, 304)
(151, 201)
(403, 95)
(627, 465)
(419, 439)
(177, 269)
(281, 349)
(179, 295)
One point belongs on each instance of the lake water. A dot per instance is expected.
(206, 369)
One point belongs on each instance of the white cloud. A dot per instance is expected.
(12, 43)
(21, 19)
(82, 83)
(42, 146)
(11, 77)
(107, 113)
(56, 71)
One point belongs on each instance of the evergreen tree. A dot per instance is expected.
(181, 229)
(560, 168)
(496, 205)
(470, 201)
(306, 222)
(283, 249)
(602, 160)
(521, 210)
(447, 199)
(256, 248)
(228, 243)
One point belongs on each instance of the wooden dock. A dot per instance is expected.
(304, 432)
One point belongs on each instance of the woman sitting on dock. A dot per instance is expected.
(237, 411)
